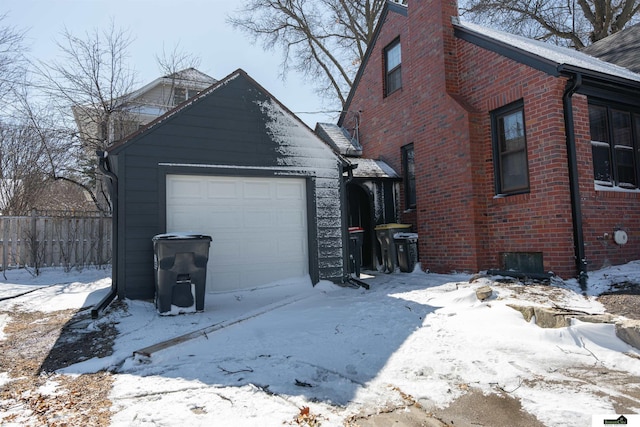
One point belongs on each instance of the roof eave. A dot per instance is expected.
(598, 77)
(546, 65)
(504, 49)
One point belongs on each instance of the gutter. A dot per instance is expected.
(573, 84)
(113, 292)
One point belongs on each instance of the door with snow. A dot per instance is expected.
(258, 226)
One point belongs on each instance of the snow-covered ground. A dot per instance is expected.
(343, 351)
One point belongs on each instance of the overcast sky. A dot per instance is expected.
(198, 27)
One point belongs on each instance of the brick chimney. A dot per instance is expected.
(433, 40)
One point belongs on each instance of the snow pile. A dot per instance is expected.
(273, 350)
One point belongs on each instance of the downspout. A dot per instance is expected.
(574, 184)
(347, 167)
(113, 292)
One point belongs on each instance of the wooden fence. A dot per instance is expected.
(55, 239)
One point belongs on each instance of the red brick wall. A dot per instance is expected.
(449, 89)
(539, 221)
(603, 212)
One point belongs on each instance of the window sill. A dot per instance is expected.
(505, 195)
(615, 189)
(511, 198)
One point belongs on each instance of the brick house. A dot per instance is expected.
(515, 154)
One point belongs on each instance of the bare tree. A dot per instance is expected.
(12, 62)
(170, 62)
(573, 23)
(88, 89)
(325, 40)
(23, 164)
(34, 152)
(91, 80)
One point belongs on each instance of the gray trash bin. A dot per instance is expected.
(180, 261)
(407, 250)
(384, 233)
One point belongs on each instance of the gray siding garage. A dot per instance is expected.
(235, 164)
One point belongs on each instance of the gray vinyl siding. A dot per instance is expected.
(235, 129)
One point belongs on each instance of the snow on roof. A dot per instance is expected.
(338, 138)
(370, 168)
(557, 54)
(193, 75)
(296, 142)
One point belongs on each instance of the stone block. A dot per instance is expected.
(629, 332)
(484, 292)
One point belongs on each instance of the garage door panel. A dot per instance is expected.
(183, 220)
(229, 281)
(223, 189)
(259, 218)
(289, 191)
(258, 190)
(258, 226)
(290, 217)
(293, 250)
(220, 217)
(185, 189)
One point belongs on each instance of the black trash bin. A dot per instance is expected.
(180, 263)
(407, 250)
(355, 250)
(384, 233)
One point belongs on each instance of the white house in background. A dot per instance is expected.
(134, 110)
(164, 93)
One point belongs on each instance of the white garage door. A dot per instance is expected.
(258, 226)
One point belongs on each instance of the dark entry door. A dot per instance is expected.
(360, 214)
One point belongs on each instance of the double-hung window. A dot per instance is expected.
(393, 67)
(615, 140)
(510, 149)
(409, 176)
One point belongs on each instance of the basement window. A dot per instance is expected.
(522, 262)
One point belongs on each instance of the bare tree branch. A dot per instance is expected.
(573, 23)
(12, 63)
(88, 89)
(325, 40)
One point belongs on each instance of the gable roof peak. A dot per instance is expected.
(190, 74)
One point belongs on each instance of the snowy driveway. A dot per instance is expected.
(341, 352)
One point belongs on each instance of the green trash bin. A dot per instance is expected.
(384, 233)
